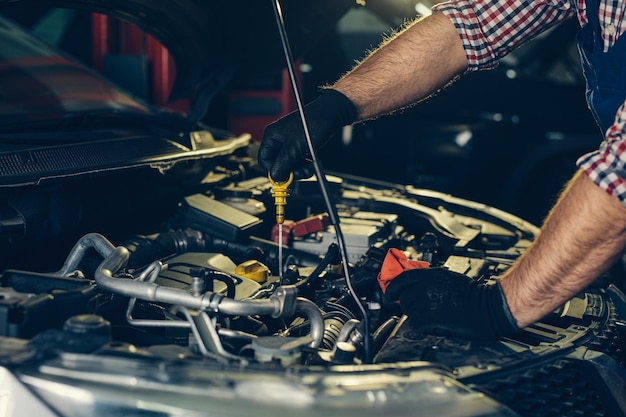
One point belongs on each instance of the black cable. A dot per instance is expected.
(339, 307)
(321, 177)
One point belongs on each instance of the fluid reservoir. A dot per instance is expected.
(284, 349)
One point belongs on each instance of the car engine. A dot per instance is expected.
(193, 313)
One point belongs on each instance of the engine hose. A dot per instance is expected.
(146, 249)
(236, 250)
(382, 333)
(315, 318)
(89, 241)
(332, 330)
(279, 304)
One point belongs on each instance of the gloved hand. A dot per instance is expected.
(442, 302)
(284, 148)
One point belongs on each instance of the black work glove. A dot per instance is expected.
(442, 302)
(284, 148)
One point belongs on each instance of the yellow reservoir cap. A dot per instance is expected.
(254, 270)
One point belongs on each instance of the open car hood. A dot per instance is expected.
(212, 41)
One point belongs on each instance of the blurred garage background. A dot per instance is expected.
(507, 137)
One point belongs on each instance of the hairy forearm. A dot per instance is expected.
(584, 234)
(404, 70)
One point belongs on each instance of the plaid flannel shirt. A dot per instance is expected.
(490, 29)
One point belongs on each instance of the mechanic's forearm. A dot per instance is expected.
(584, 234)
(422, 58)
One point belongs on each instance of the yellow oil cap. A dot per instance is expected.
(253, 270)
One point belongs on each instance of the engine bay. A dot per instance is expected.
(200, 298)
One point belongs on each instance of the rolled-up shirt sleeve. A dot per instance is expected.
(607, 166)
(490, 29)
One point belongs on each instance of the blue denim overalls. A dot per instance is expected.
(605, 72)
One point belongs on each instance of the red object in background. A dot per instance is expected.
(311, 225)
(112, 36)
(251, 109)
(287, 226)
